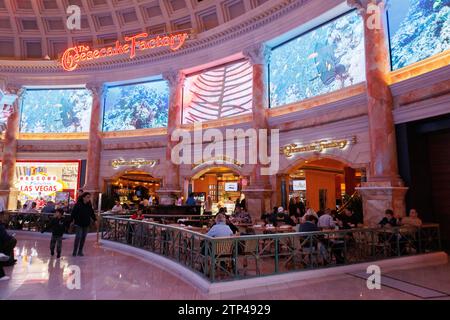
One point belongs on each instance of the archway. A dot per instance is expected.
(322, 182)
(223, 183)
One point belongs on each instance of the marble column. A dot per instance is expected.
(349, 180)
(7, 189)
(282, 190)
(95, 142)
(384, 188)
(171, 180)
(258, 193)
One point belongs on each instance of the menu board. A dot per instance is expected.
(298, 185)
(231, 186)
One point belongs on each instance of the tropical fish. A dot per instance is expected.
(327, 65)
(313, 55)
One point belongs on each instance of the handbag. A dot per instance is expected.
(3, 257)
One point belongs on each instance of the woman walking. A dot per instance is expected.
(82, 214)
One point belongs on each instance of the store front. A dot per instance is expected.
(323, 183)
(41, 181)
(424, 164)
(134, 186)
(222, 184)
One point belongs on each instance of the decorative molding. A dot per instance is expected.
(137, 145)
(428, 108)
(422, 73)
(256, 22)
(217, 161)
(134, 133)
(51, 148)
(54, 136)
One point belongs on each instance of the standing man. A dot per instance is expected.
(82, 214)
(7, 245)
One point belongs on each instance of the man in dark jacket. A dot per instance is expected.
(57, 226)
(347, 220)
(81, 216)
(309, 225)
(7, 244)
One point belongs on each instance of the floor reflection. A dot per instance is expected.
(105, 274)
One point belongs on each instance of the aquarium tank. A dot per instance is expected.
(55, 111)
(136, 106)
(327, 58)
(418, 29)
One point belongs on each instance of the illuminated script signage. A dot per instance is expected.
(74, 55)
(218, 161)
(318, 146)
(117, 163)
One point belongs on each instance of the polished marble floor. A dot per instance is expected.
(107, 274)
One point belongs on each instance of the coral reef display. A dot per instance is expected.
(55, 111)
(136, 106)
(320, 61)
(418, 29)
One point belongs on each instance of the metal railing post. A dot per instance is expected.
(276, 255)
(201, 250)
(235, 259)
(192, 251)
(213, 259)
(345, 249)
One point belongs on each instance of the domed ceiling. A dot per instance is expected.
(36, 29)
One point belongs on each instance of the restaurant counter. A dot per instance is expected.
(173, 210)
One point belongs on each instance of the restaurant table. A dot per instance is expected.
(243, 227)
(259, 229)
(190, 228)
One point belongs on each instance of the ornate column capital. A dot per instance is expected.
(174, 78)
(96, 88)
(363, 5)
(257, 53)
(16, 89)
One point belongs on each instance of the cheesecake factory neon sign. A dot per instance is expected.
(74, 55)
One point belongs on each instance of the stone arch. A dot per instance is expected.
(204, 168)
(124, 171)
(300, 161)
(118, 173)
